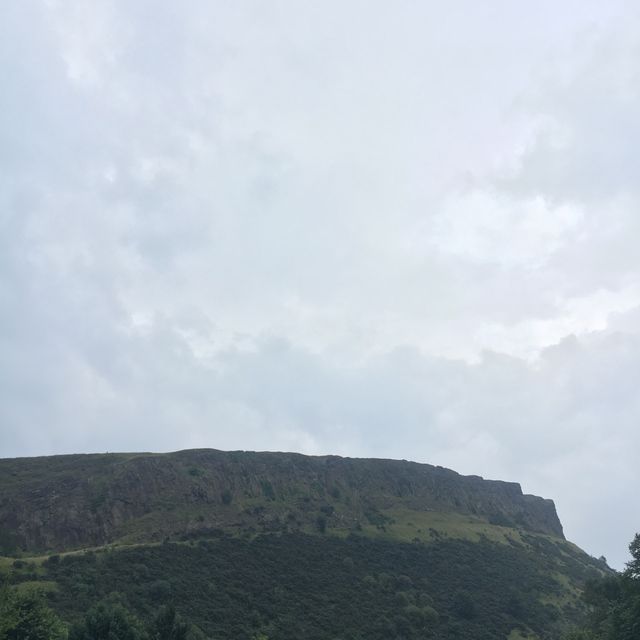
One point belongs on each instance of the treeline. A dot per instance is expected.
(25, 615)
(615, 604)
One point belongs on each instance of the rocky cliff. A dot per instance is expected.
(66, 502)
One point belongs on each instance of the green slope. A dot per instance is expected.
(310, 586)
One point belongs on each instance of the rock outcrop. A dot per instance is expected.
(65, 502)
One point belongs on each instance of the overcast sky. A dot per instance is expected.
(393, 229)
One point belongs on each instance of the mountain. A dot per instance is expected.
(281, 545)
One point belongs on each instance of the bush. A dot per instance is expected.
(109, 620)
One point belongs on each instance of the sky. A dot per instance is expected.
(399, 230)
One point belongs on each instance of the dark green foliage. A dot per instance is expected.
(168, 626)
(463, 605)
(267, 490)
(286, 587)
(633, 567)
(25, 615)
(108, 620)
(375, 517)
(159, 591)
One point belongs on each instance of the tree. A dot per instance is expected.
(615, 603)
(169, 626)
(463, 605)
(109, 620)
(24, 615)
(633, 566)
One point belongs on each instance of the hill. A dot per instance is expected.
(65, 502)
(279, 545)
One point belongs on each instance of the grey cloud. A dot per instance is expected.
(282, 227)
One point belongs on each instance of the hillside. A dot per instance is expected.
(66, 502)
(279, 546)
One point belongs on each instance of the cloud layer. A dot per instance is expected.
(353, 228)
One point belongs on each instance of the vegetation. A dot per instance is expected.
(25, 615)
(106, 621)
(615, 604)
(291, 586)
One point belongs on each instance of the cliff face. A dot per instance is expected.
(65, 502)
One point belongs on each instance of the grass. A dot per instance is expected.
(407, 525)
(518, 634)
(569, 594)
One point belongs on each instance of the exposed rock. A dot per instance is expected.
(66, 502)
